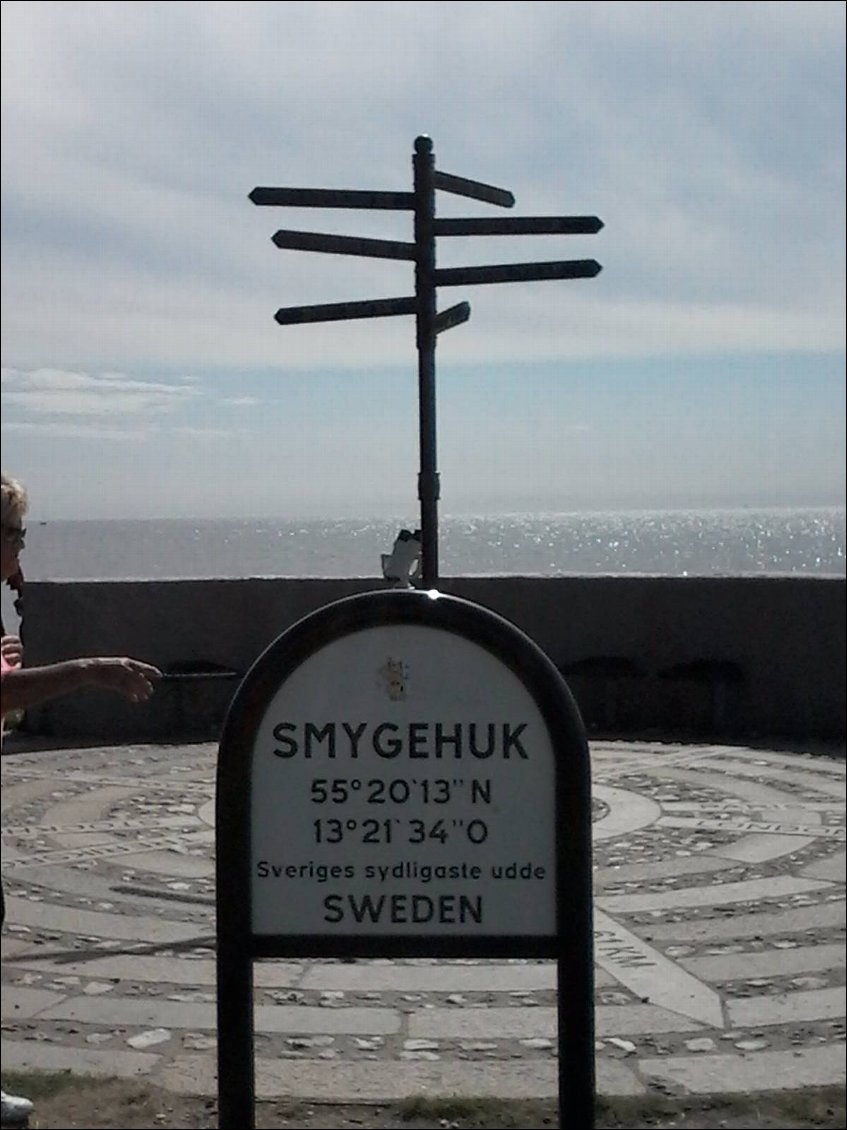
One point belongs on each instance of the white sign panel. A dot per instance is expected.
(403, 783)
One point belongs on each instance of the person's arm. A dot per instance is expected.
(28, 686)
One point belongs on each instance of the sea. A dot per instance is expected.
(809, 541)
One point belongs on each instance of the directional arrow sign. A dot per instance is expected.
(344, 245)
(339, 311)
(447, 319)
(520, 225)
(517, 272)
(332, 198)
(461, 186)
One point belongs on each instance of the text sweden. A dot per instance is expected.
(414, 907)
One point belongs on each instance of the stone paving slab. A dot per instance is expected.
(719, 936)
(762, 1071)
(833, 868)
(70, 920)
(765, 963)
(764, 847)
(822, 917)
(748, 891)
(787, 1008)
(372, 1083)
(532, 1023)
(22, 1004)
(165, 970)
(430, 978)
(18, 1055)
(125, 1013)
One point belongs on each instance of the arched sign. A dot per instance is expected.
(404, 773)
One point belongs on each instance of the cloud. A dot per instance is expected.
(57, 392)
(72, 431)
(201, 433)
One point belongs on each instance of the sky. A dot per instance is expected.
(144, 375)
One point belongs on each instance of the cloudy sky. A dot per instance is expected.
(144, 374)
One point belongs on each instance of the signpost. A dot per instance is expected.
(404, 773)
(422, 203)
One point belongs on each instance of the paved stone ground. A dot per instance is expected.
(719, 915)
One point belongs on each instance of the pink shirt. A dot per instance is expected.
(5, 668)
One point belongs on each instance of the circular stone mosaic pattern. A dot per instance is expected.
(719, 939)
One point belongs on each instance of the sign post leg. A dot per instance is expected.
(576, 1049)
(236, 1071)
(575, 967)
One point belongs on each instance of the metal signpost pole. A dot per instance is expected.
(428, 486)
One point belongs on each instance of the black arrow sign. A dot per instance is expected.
(339, 311)
(332, 198)
(517, 272)
(475, 189)
(344, 245)
(457, 314)
(521, 225)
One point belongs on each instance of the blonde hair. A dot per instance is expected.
(15, 501)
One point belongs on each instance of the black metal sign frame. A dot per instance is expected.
(570, 944)
(427, 180)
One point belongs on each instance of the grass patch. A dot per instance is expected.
(126, 1100)
(68, 1101)
(507, 1114)
(813, 1107)
(41, 1085)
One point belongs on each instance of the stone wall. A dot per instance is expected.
(722, 657)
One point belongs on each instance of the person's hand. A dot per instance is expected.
(129, 677)
(13, 651)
